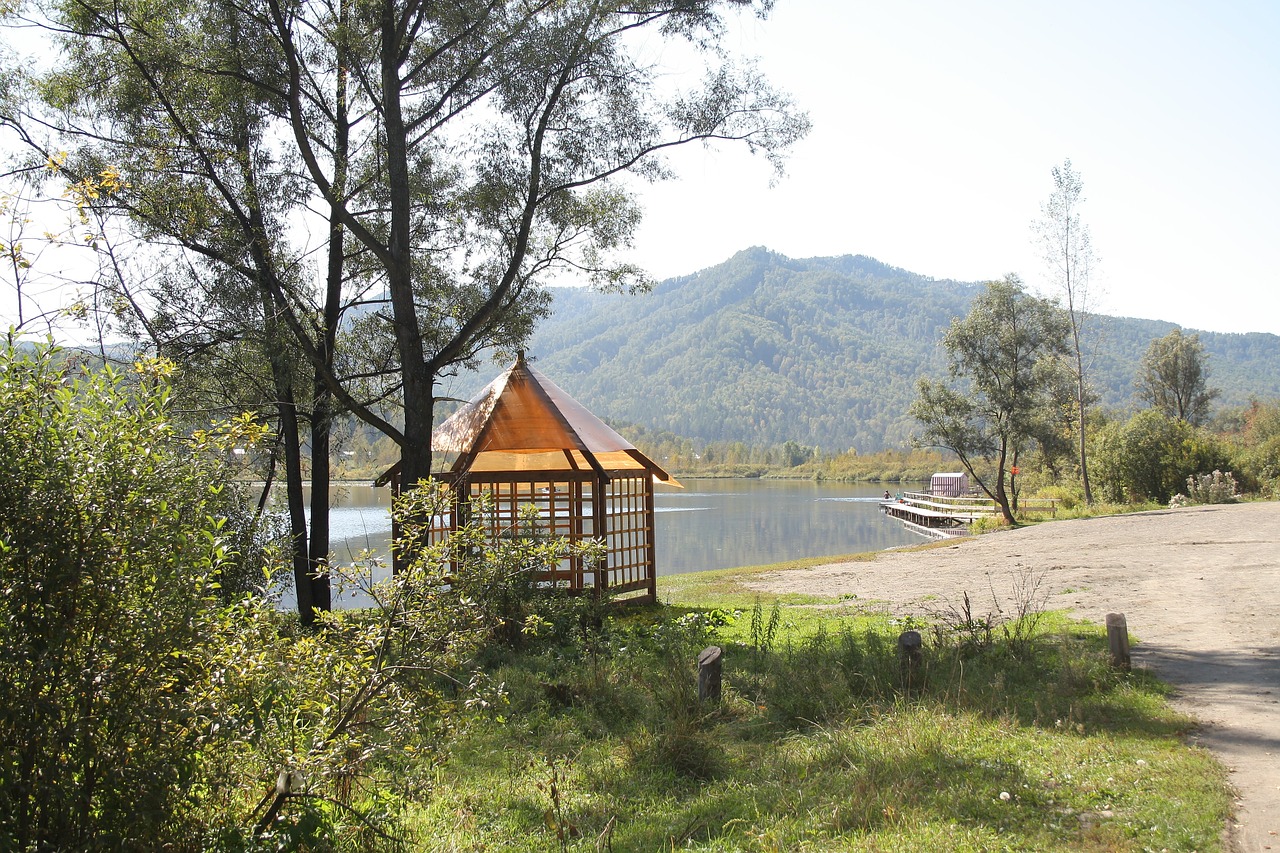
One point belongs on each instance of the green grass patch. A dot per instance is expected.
(823, 740)
(728, 588)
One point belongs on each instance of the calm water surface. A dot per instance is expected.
(721, 524)
(710, 524)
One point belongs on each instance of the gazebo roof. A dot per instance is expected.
(524, 422)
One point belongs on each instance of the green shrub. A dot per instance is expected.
(502, 575)
(147, 703)
(1258, 459)
(1068, 498)
(113, 546)
(1151, 456)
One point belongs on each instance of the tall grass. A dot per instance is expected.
(824, 741)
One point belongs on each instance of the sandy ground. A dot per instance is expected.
(1200, 589)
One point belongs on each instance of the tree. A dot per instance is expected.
(503, 127)
(1174, 376)
(1003, 353)
(1068, 255)
(457, 153)
(208, 198)
(484, 149)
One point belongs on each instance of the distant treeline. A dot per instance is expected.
(683, 457)
(1242, 439)
(365, 455)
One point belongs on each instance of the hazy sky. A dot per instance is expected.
(936, 126)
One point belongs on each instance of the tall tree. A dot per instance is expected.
(463, 149)
(1174, 378)
(1064, 242)
(500, 131)
(170, 106)
(1000, 358)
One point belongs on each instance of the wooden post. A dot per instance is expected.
(1118, 638)
(651, 547)
(709, 674)
(910, 653)
(600, 525)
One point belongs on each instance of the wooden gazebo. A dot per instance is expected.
(525, 441)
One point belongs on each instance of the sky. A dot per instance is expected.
(936, 126)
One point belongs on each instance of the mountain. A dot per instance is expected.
(823, 351)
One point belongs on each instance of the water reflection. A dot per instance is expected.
(719, 524)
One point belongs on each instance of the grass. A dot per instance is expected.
(822, 740)
(730, 588)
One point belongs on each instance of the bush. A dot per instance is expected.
(340, 724)
(1258, 462)
(149, 703)
(113, 544)
(1151, 456)
(1215, 488)
(502, 575)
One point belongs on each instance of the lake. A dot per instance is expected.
(710, 524)
(721, 524)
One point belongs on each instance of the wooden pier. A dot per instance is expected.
(942, 517)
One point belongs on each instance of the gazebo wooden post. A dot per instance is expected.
(650, 513)
(600, 528)
(575, 529)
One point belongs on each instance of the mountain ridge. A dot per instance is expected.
(764, 348)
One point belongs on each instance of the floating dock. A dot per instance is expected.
(937, 516)
(944, 517)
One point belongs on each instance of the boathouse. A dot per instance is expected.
(525, 441)
(949, 485)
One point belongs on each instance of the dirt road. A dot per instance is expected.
(1200, 588)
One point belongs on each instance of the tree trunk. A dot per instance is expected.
(318, 551)
(1084, 462)
(291, 442)
(1013, 483)
(323, 407)
(1002, 496)
(1080, 407)
(418, 383)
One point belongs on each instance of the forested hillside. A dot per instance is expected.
(761, 349)
(825, 351)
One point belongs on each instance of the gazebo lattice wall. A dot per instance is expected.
(525, 441)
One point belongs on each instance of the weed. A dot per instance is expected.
(970, 633)
(762, 632)
(1018, 618)
(554, 816)
(680, 741)
(1027, 607)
